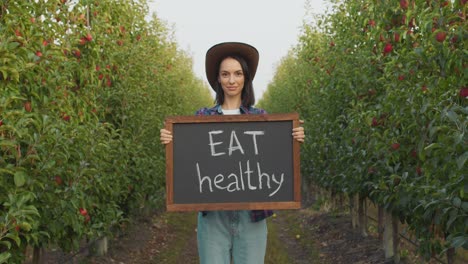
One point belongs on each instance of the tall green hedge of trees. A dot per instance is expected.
(85, 86)
(382, 87)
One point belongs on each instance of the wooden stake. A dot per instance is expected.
(391, 238)
(353, 201)
(36, 255)
(362, 210)
(99, 247)
(380, 222)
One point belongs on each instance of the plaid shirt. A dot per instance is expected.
(255, 215)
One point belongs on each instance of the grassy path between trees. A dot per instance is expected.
(295, 236)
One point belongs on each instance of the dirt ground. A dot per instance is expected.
(307, 235)
(332, 238)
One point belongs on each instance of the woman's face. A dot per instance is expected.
(231, 77)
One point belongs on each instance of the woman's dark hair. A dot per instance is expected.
(247, 96)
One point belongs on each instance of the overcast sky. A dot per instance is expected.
(272, 26)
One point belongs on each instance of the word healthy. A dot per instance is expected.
(246, 178)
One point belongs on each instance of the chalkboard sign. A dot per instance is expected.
(232, 162)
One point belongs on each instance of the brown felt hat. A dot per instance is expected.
(220, 51)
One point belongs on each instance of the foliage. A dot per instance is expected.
(84, 89)
(382, 88)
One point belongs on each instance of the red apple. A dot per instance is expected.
(82, 41)
(396, 37)
(375, 122)
(388, 48)
(396, 146)
(39, 53)
(381, 38)
(454, 39)
(464, 92)
(27, 106)
(77, 53)
(440, 36)
(404, 4)
(418, 170)
(83, 211)
(403, 20)
(89, 37)
(58, 180)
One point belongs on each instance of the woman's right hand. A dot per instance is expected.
(166, 136)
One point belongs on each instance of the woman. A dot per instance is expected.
(237, 235)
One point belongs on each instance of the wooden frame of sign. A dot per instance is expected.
(233, 162)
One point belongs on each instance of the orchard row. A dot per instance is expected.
(84, 89)
(382, 86)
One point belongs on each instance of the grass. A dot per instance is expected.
(276, 252)
(296, 232)
(181, 231)
(181, 227)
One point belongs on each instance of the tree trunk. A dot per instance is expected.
(391, 238)
(451, 256)
(353, 202)
(99, 247)
(362, 209)
(36, 255)
(380, 222)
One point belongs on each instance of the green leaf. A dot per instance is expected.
(432, 146)
(4, 257)
(20, 178)
(15, 238)
(4, 74)
(456, 202)
(465, 206)
(26, 226)
(6, 243)
(462, 160)
(459, 242)
(452, 116)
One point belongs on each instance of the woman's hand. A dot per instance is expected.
(298, 132)
(166, 136)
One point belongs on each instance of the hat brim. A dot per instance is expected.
(222, 50)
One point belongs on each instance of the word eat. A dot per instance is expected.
(234, 143)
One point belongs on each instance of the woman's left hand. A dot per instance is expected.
(298, 132)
